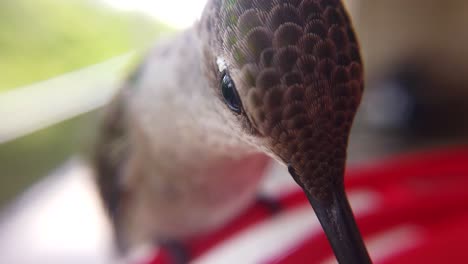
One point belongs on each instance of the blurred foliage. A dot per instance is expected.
(27, 159)
(44, 38)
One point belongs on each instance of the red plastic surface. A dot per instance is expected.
(426, 190)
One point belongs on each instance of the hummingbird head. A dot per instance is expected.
(290, 74)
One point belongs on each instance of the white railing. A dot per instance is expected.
(28, 109)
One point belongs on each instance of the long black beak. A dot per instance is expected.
(338, 222)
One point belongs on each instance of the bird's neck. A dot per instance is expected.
(185, 159)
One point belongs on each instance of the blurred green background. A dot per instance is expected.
(45, 38)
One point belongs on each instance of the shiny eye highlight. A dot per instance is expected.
(229, 92)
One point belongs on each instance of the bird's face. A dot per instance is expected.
(290, 73)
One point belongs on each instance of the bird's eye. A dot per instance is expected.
(229, 92)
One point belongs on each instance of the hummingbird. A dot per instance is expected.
(184, 143)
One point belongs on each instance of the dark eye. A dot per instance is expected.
(228, 89)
